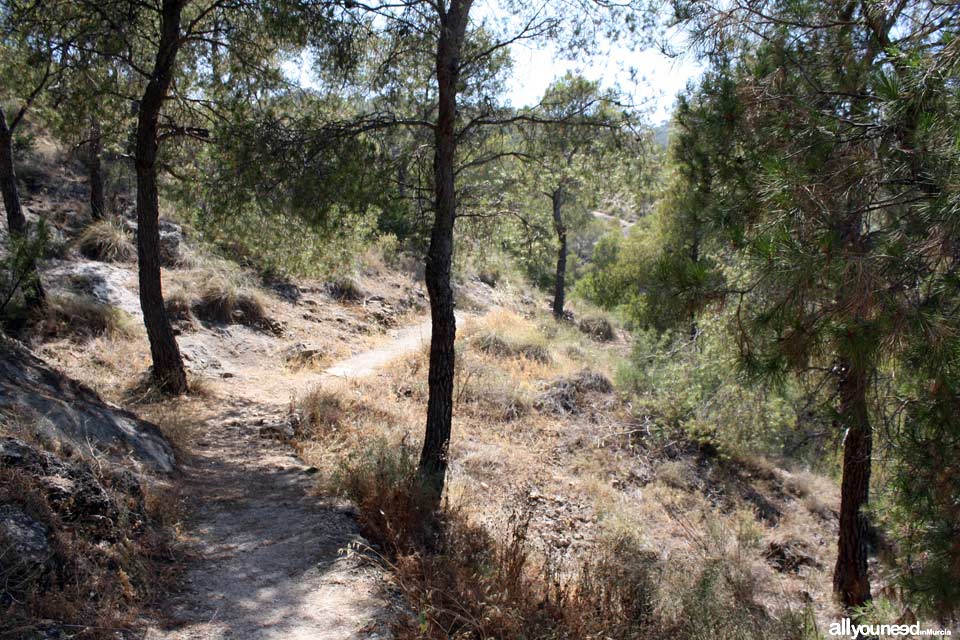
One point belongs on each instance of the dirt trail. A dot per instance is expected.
(267, 556)
(404, 341)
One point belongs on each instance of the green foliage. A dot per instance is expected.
(18, 271)
(694, 390)
(831, 226)
(602, 282)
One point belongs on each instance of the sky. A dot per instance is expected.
(655, 83)
(648, 78)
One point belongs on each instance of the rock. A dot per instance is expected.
(26, 538)
(288, 291)
(171, 241)
(65, 411)
(105, 283)
(71, 487)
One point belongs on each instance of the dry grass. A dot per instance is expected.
(178, 306)
(344, 289)
(602, 490)
(598, 328)
(215, 290)
(75, 318)
(100, 570)
(463, 580)
(107, 241)
(221, 300)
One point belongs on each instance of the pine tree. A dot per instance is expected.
(838, 210)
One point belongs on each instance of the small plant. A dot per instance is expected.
(78, 318)
(505, 347)
(18, 273)
(344, 289)
(598, 328)
(107, 241)
(177, 304)
(223, 301)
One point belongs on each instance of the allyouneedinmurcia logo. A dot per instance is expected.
(846, 628)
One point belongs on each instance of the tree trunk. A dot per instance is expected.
(561, 229)
(98, 208)
(436, 441)
(34, 295)
(850, 579)
(168, 368)
(695, 258)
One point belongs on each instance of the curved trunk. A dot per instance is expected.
(561, 229)
(850, 579)
(34, 295)
(436, 441)
(98, 208)
(167, 364)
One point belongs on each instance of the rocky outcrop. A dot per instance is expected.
(65, 411)
(171, 241)
(104, 283)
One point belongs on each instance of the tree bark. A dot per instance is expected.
(34, 295)
(559, 295)
(850, 579)
(436, 441)
(98, 208)
(695, 258)
(168, 368)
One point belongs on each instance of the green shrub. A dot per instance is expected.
(695, 389)
(18, 273)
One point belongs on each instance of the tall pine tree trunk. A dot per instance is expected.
(168, 368)
(98, 208)
(850, 579)
(34, 295)
(695, 258)
(436, 441)
(559, 295)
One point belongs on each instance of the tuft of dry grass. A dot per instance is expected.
(222, 301)
(77, 318)
(597, 327)
(502, 347)
(482, 390)
(178, 306)
(565, 395)
(344, 289)
(107, 241)
(330, 424)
